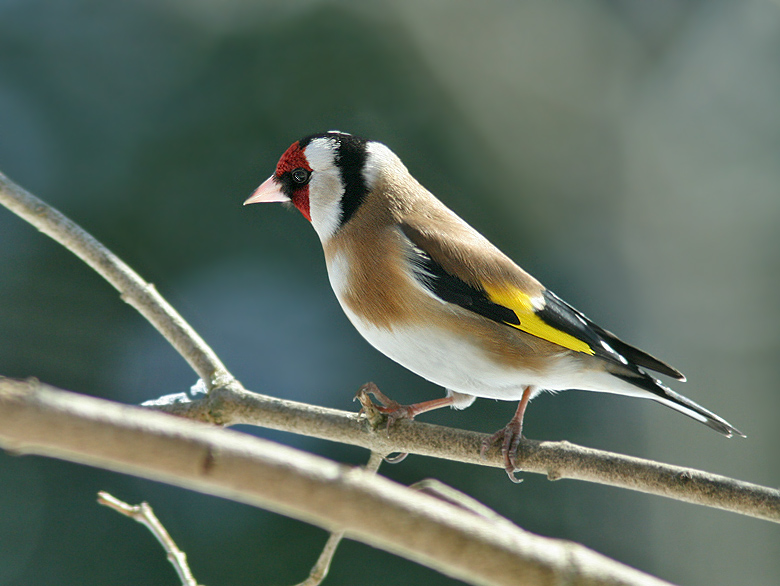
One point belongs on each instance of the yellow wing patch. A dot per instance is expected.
(520, 303)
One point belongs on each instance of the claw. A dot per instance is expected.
(385, 403)
(396, 459)
(367, 407)
(392, 410)
(510, 437)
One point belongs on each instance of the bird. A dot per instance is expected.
(434, 295)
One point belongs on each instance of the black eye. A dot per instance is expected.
(300, 175)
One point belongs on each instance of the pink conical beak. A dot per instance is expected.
(270, 191)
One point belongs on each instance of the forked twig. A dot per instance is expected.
(144, 514)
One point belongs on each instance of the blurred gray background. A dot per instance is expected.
(625, 152)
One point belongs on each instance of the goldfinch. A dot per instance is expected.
(430, 292)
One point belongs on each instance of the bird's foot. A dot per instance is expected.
(390, 409)
(509, 437)
(393, 410)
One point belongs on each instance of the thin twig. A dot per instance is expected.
(133, 289)
(35, 418)
(320, 570)
(144, 514)
(451, 495)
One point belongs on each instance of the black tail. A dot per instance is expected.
(668, 397)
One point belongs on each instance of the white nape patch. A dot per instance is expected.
(325, 187)
(379, 159)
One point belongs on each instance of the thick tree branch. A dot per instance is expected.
(232, 405)
(38, 419)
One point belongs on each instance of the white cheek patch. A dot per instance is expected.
(325, 187)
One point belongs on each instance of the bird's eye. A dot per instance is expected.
(300, 175)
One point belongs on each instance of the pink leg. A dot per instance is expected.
(510, 436)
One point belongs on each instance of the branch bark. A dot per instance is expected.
(38, 419)
(233, 405)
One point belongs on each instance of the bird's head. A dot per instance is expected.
(326, 176)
